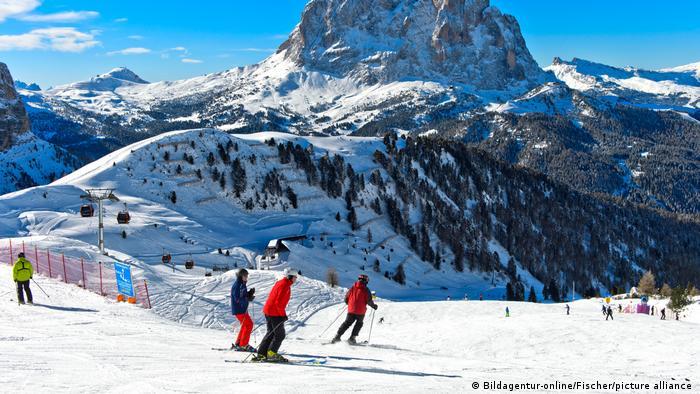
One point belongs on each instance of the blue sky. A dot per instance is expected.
(61, 41)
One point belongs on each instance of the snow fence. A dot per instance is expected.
(96, 276)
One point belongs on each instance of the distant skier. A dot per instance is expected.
(240, 298)
(481, 297)
(22, 273)
(652, 310)
(663, 313)
(276, 314)
(609, 314)
(619, 308)
(507, 312)
(568, 309)
(357, 298)
(605, 310)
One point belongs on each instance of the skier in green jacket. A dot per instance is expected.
(22, 273)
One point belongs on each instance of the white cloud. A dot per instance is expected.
(59, 17)
(179, 49)
(60, 39)
(255, 50)
(9, 8)
(121, 20)
(136, 37)
(130, 51)
(191, 61)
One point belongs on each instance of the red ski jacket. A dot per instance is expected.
(276, 303)
(357, 298)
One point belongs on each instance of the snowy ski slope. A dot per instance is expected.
(79, 342)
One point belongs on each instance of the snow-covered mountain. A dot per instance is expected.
(677, 88)
(457, 68)
(434, 217)
(25, 160)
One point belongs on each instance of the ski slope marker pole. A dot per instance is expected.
(370, 326)
(42, 290)
(336, 319)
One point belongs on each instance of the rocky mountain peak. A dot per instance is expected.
(124, 74)
(13, 116)
(450, 41)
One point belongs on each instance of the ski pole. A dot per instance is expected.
(336, 319)
(42, 290)
(370, 326)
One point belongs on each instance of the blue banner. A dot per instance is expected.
(124, 284)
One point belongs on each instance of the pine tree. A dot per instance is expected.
(292, 197)
(352, 219)
(533, 296)
(400, 275)
(553, 289)
(510, 294)
(369, 235)
(376, 267)
(679, 300)
(337, 216)
(173, 197)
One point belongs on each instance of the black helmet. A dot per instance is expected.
(242, 272)
(20, 255)
(363, 278)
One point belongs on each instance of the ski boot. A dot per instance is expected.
(258, 358)
(352, 341)
(336, 339)
(246, 348)
(274, 357)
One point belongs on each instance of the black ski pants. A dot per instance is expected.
(275, 335)
(349, 320)
(23, 287)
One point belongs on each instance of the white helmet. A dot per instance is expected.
(291, 272)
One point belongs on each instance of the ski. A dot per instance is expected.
(310, 362)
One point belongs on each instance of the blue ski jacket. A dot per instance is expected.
(239, 297)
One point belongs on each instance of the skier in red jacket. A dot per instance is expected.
(276, 314)
(357, 298)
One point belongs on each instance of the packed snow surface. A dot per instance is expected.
(80, 342)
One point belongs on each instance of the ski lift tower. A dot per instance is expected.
(98, 196)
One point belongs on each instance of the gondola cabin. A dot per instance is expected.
(189, 263)
(123, 216)
(167, 258)
(87, 211)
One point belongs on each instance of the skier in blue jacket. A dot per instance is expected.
(240, 298)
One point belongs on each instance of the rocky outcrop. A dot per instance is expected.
(13, 116)
(453, 41)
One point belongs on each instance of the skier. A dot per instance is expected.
(652, 310)
(357, 298)
(22, 273)
(507, 312)
(481, 297)
(663, 314)
(276, 315)
(619, 308)
(609, 314)
(240, 298)
(568, 308)
(605, 310)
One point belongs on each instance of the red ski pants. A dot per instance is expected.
(246, 329)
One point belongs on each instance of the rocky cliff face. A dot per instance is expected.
(454, 41)
(13, 116)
